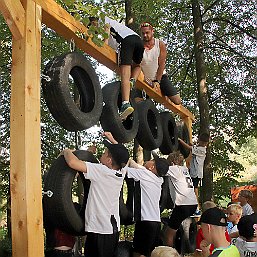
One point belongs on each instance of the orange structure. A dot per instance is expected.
(24, 18)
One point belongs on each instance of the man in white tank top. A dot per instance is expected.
(153, 63)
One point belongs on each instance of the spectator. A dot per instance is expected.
(153, 64)
(197, 162)
(131, 49)
(213, 223)
(164, 251)
(185, 199)
(247, 242)
(102, 221)
(148, 220)
(234, 214)
(244, 197)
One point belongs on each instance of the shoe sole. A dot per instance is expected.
(126, 113)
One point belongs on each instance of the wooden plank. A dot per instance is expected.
(25, 172)
(13, 13)
(55, 17)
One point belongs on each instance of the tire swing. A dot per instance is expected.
(166, 201)
(170, 133)
(185, 241)
(59, 210)
(150, 132)
(123, 131)
(58, 95)
(184, 135)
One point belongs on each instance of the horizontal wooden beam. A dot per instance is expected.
(14, 15)
(55, 17)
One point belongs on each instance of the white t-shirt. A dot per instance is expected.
(197, 162)
(103, 198)
(246, 249)
(247, 210)
(151, 186)
(182, 183)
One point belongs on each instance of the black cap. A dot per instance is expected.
(214, 216)
(247, 225)
(118, 152)
(161, 164)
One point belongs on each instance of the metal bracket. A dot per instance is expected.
(48, 193)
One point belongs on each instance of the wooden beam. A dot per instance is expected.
(25, 162)
(55, 17)
(14, 14)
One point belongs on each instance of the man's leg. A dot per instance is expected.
(175, 99)
(126, 108)
(136, 69)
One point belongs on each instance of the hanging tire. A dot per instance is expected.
(123, 131)
(59, 210)
(183, 133)
(57, 92)
(170, 133)
(166, 201)
(126, 207)
(150, 132)
(185, 241)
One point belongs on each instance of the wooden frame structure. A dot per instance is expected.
(24, 19)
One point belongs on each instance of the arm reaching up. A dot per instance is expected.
(110, 137)
(184, 144)
(73, 162)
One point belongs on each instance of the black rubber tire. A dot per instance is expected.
(124, 249)
(59, 210)
(185, 241)
(58, 96)
(170, 133)
(166, 201)
(123, 131)
(183, 133)
(150, 132)
(126, 208)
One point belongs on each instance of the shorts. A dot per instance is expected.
(179, 213)
(101, 245)
(132, 50)
(196, 182)
(167, 88)
(146, 237)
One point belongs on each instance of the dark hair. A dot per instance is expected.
(92, 19)
(204, 137)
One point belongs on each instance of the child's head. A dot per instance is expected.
(175, 158)
(244, 196)
(207, 205)
(164, 251)
(247, 227)
(234, 213)
(203, 139)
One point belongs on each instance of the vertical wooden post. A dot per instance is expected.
(188, 121)
(25, 174)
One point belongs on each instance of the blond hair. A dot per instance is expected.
(235, 208)
(164, 251)
(175, 158)
(248, 194)
(208, 205)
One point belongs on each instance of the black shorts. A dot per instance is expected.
(146, 237)
(167, 88)
(132, 49)
(179, 213)
(101, 245)
(196, 182)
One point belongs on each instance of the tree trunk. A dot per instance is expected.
(207, 188)
(130, 19)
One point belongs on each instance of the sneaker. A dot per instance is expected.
(132, 82)
(197, 213)
(125, 110)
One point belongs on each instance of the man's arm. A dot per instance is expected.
(185, 144)
(133, 164)
(73, 162)
(161, 60)
(110, 137)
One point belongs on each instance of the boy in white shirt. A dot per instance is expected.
(148, 225)
(243, 197)
(102, 221)
(234, 214)
(247, 242)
